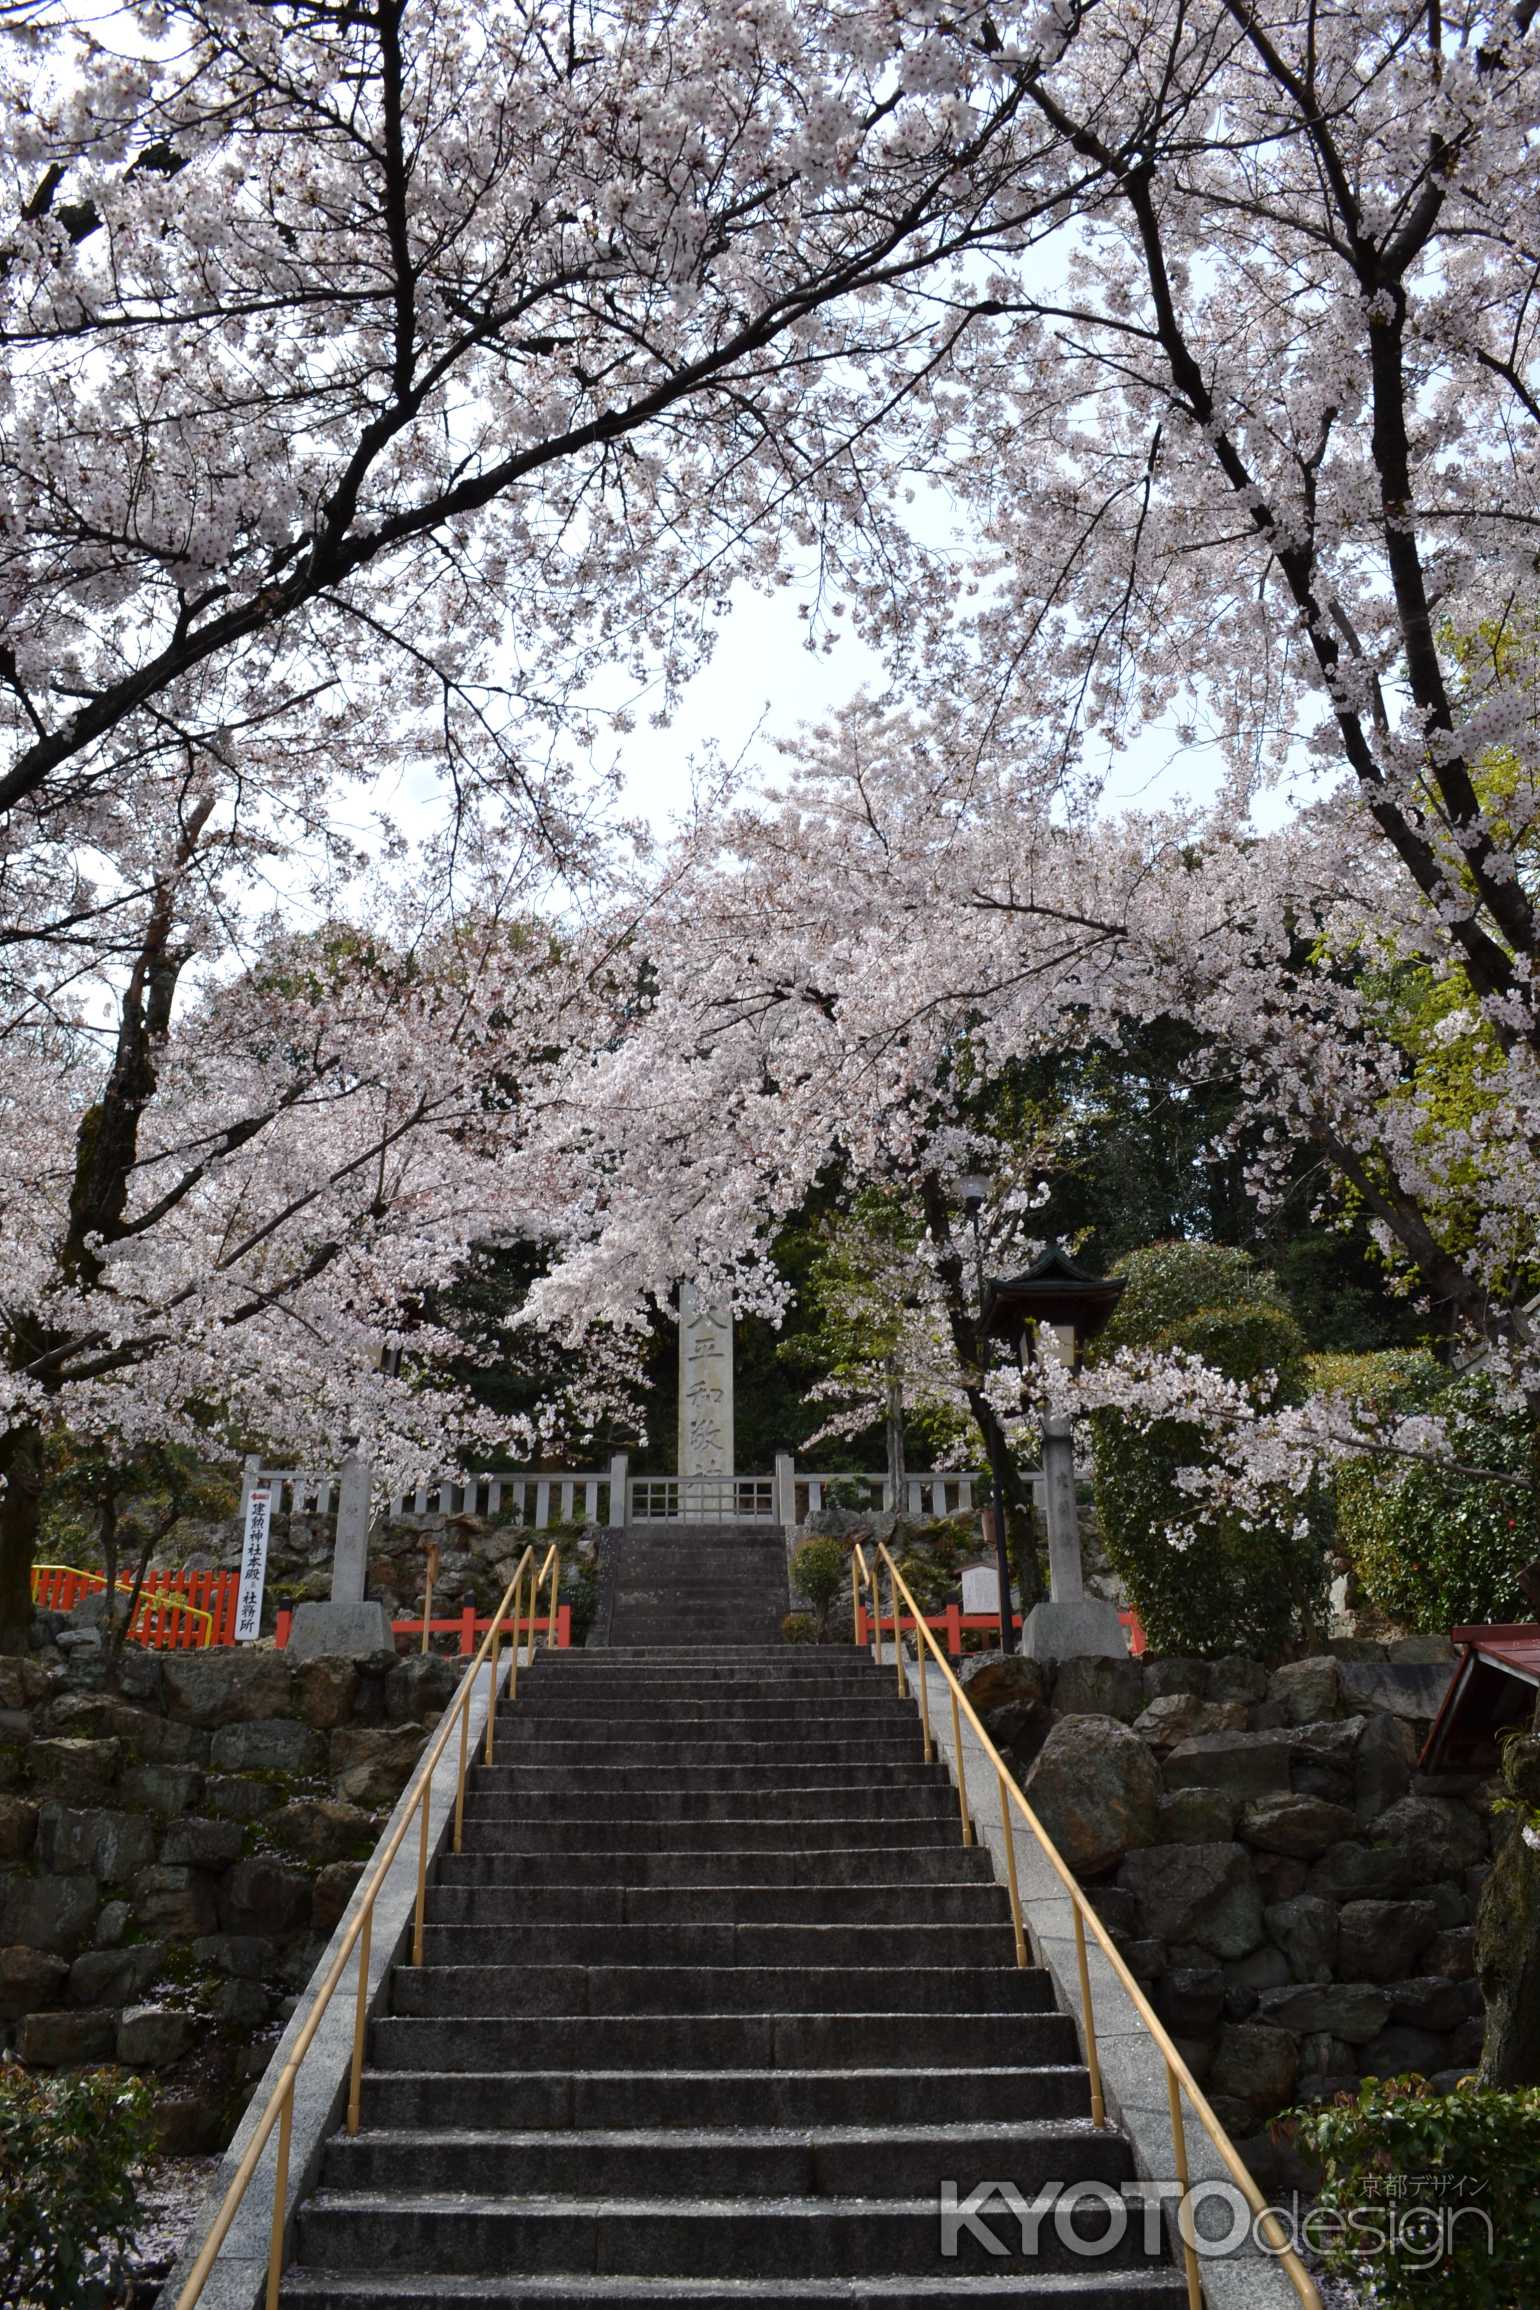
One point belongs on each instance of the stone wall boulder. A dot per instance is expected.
(1096, 1789)
(1300, 1826)
(1382, 1940)
(267, 1745)
(1205, 1896)
(224, 1687)
(371, 1764)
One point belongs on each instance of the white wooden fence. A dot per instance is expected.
(611, 1496)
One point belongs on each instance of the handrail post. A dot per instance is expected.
(497, 1638)
(922, 1678)
(898, 1641)
(465, 1742)
(1008, 1831)
(962, 1773)
(1092, 2056)
(280, 2194)
(1180, 2176)
(360, 2018)
(419, 1912)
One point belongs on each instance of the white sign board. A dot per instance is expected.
(981, 1588)
(248, 1607)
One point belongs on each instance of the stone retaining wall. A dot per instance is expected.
(174, 1855)
(1295, 1896)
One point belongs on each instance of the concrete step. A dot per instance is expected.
(715, 2238)
(896, 1792)
(623, 1714)
(669, 1940)
(896, 2039)
(595, 1992)
(699, 1827)
(859, 2095)
(888, 1874)
(521, 1745)
(1082, 2289)
(516, 1779)
(742, 2162)
(467, 1908)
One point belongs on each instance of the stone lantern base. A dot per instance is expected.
(1087, 1629)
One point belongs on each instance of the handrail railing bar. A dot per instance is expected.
(1298, 2276)
(281, 2100)
(1180, 2176)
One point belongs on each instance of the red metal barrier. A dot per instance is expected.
(212, 1595)
(951, 1623)
(465, 1625)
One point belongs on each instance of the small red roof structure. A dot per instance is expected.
(1494, 1685)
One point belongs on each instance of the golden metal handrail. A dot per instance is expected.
(279, 2109)
(1179, 2078)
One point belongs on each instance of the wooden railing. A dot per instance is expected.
(1181, 2085)
(465, 1627)
(512, 1614)
(952, 1623)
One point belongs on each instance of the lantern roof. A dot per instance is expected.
(1055, 1289)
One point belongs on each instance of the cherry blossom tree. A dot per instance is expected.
(214, 1225)
(381, 379)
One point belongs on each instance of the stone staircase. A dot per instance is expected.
(713, 2002)
(696, 1584)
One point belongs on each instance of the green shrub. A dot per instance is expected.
(819, 1572)
(1233, 1587)
(69, 2201)
(799, 1628)
(1450, 2184)
(1436, 1550)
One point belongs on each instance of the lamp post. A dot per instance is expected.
(1050, 1312)
(975, 1191)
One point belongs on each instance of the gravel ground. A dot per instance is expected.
(171, 2194)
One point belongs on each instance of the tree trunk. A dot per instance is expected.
(894, 1426)
(1508, 1936)
(21, 1497)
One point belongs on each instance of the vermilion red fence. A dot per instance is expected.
(949, 1625)
(59, 1587)
(465, 1626)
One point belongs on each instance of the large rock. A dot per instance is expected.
(1444, 1837)
(23, 1682)
(227, 1686)
(1251, 1763)
(1198, 1817)
(1255, 2063)
(1202, 1895)
(1299, 1826)
(993, 1680)
(1354, 2011)
(1192, 1999)
(51, 1913)
(112, 1845)
(372, 1764)
(116, 1976)
(1382, 1940)
(1452, 1953)
(167, 1789)
(1179, 1716)
(420, 1688)
(1403, 1689)
(1382, 1766)
(195, 1843)
(262, 1895)
(1430, 2002)
(18, 1828)
(178, 1903)
(66, 2040)
(1174, 1673)
(1099, 1687)
(153, 2036)
(28, 1978)
(1353, 1871)
(1096, 1789)
(74, 1768)
(1307, 1690)
(1304, 1928)
(276, 1744)
(324, 1829)
(326, 1690)
(1237, 1677)
(1398, 2050)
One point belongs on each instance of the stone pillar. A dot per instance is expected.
(706, 1401)
(786, 1492)
(1071, 1625)
(348, 1624)
(620, 1477)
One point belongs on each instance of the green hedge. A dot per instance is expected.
(1233, 1588)
(1434, 1549)
(1430, 2201)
